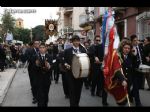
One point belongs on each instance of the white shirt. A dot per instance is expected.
(77, 48)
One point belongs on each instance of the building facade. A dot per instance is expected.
(133, 20)
(19, 23)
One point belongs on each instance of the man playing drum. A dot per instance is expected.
(75, 84)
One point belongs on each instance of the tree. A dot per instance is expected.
(8, 22)
(39, 33)
(22, 35)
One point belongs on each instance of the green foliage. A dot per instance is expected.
(38, 33)
(22, 35)
(8, 22)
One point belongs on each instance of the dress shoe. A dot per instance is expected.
(92, 94)
(66, 96)
(105, 103)
(86, 87)
(139, 105)
(148, 89)
(34, 101)
(99, 94)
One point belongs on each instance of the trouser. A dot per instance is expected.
(86, 82)
(56, 71)
(97, 80)
(140, 79)
(1, 67)
(104, 92)
(135, 90)
(43, 90)
(147, 76)
(75, 87)
(33, 82)
(65, 83)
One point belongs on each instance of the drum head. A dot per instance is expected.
(80, 65)
(76, 66)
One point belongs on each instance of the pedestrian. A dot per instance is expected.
(2, 58)
(75, 85)
(43, 64)
(129, 70)
(30, 52)
(147, 58)
(138, 52)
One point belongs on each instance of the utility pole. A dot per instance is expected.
(31, 36)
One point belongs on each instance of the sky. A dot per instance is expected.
(36, 16)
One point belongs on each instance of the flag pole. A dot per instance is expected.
(128, 101)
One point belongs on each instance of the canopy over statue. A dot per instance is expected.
(50, 28)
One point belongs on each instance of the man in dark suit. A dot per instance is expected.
(147, 58)
(75, 85)
(53, 51)
(138, 52)
(30, 52)
(97, 54)
(42, 64)
(139, 78)
(2, 58)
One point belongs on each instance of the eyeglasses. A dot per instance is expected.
(98, 40)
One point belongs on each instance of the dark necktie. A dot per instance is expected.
(75, 50)
(138, 54)
(36, 50)
(43, 58)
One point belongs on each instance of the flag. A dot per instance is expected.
(112, 63)
(104, 28)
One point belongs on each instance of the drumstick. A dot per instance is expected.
(128, 100)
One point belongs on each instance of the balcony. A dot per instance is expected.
(120, 9)
(68, 10)
(86, 21)
(83, 19)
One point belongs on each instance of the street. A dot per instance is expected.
(19, 95)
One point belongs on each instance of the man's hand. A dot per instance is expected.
(37, 62)
(67, 66)
(147, 59)
(47, 65)
(124, 83)
(97, 60)
(106, 70)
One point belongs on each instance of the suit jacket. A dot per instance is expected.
(96, 51)
(127, 65)
(42, 74)
(39, 68)
(146, 53)
(29, 54)
(68, 54)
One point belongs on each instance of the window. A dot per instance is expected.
(143, 25)
(19, 23)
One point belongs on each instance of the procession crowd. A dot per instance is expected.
(49, 62)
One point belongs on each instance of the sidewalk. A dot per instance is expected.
(6, 78)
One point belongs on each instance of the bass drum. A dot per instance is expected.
(80, 65)
(144, 68)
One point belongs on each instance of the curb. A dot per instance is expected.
(2, 97)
